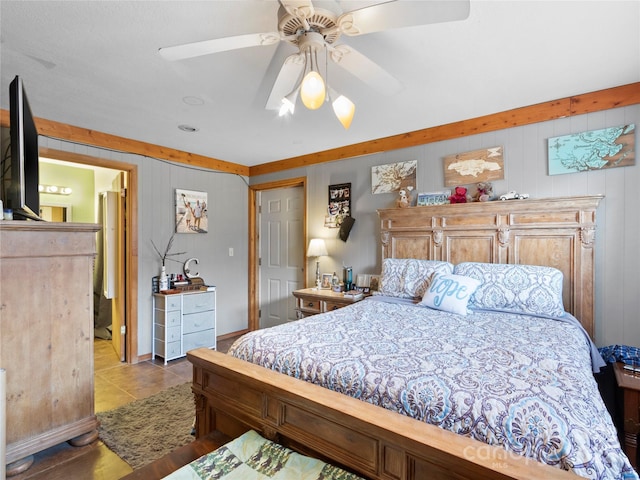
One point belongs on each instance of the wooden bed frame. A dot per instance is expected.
(233, 396)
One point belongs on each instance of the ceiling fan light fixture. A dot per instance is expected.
(344, 110)
(288, 104)
(312, 90)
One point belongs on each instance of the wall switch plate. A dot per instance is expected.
(231, 251)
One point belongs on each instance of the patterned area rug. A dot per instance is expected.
(145, 430)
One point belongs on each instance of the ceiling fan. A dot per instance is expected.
(316, 30)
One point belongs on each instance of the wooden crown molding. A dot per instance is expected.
(614, 97)
(590, 102)
(62, 131)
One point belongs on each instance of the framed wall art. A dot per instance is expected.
(339, 205)
(191, 211)
(594, 150)
(485, 165)
(394, 177)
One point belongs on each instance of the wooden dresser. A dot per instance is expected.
(46, 336)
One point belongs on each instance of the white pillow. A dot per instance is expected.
(450, 293)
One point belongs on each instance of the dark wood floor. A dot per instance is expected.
(116, 384)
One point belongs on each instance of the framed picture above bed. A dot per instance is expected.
(484, 165)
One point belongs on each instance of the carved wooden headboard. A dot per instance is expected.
(556, 232)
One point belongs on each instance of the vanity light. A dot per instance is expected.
(55, 189)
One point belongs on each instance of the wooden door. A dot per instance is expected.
(118, 315)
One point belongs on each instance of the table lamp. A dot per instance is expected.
(317, 248)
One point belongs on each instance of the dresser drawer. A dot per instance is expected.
(309, 305)
(172, 318)
(168, 302)
(206, 338)
(198, 302)
(173, 349)
(172, 333)
(196, 322)
(330, 306)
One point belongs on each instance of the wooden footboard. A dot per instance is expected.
(233, 396)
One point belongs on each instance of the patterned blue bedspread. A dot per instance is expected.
(518, 381)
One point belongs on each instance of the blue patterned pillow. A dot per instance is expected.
(409, 277)
(450, 293)
(526, 289)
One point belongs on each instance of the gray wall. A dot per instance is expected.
(617, 241)
(525, 151)
(227, 209)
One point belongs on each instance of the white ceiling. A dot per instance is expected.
(95, 64)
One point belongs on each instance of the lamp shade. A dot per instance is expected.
(317, 248)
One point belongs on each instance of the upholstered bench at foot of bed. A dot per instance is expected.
(179, 457)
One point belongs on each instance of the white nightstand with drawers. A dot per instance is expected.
(182, 322)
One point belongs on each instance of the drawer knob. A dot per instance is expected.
(310, 304)
(335, 307)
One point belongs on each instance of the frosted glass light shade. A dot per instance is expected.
(312, 90)
(317, 248)
(286, 107)
(344, 110)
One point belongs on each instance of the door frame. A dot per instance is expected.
(254, 241)
(131, 238)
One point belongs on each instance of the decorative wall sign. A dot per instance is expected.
(483, 165)
(594, 150)
(339, 205)
(191, 211)
(433, 198)
(394, 177)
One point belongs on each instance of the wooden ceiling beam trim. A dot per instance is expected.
(615, 97)
(49, 128)
(590, 102)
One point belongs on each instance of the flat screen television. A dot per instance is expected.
(20, 174)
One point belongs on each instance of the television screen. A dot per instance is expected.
(20, 175)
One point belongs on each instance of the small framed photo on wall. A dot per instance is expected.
(339, 205)
(191, 211)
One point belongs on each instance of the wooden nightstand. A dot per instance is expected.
(310, 301)
(630, 385)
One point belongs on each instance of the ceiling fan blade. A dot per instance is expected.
(286, 80)
(398, 14)
(207, 47)
(365, 69)
(302, 9)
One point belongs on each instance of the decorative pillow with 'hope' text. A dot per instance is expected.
(450, 293)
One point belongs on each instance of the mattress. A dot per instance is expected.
(523, 382)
